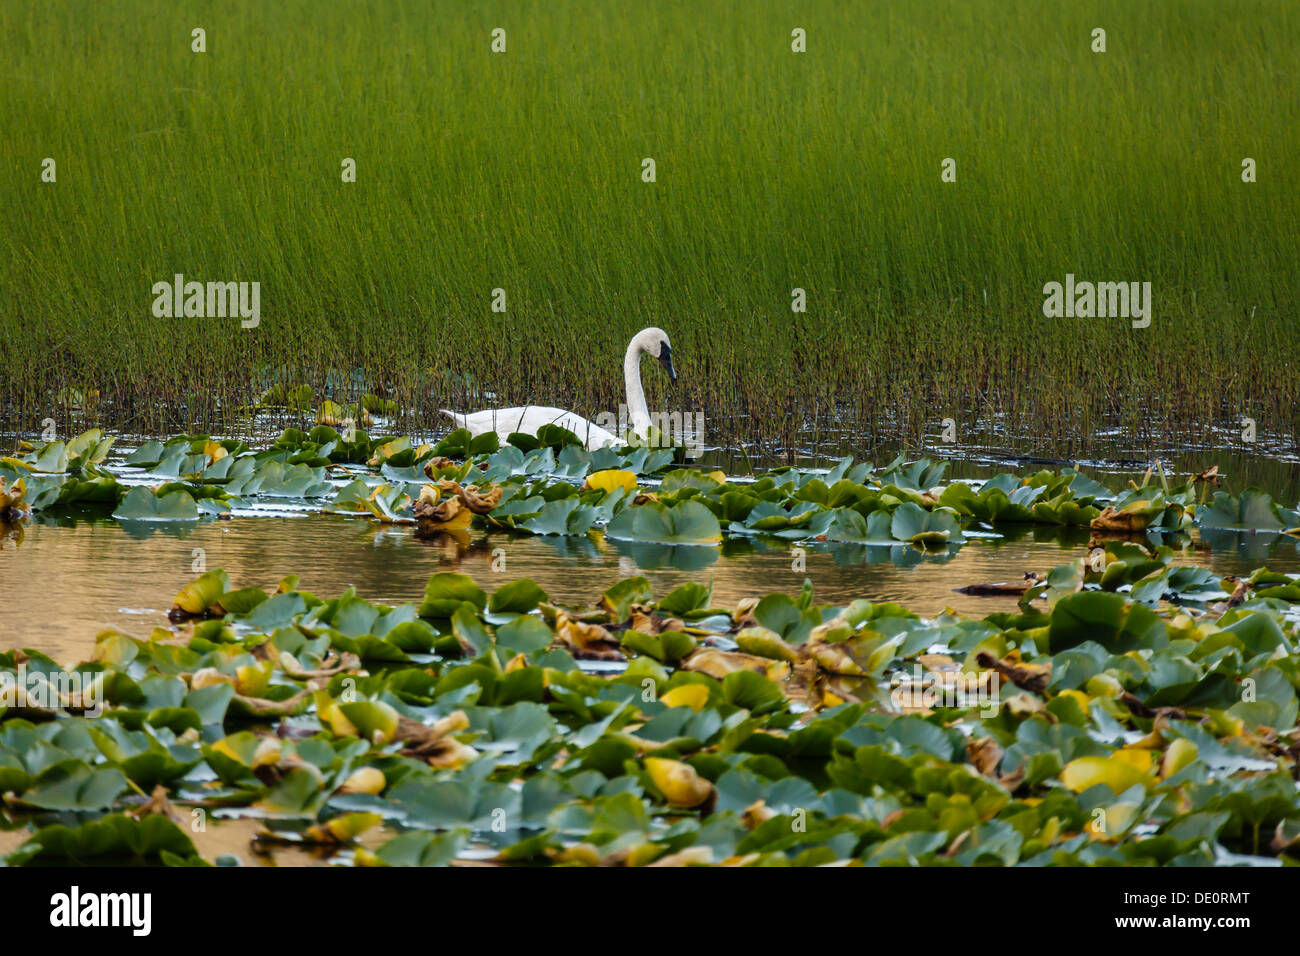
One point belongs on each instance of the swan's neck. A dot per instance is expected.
(636, 406)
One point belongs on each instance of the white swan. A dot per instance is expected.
(529, 418)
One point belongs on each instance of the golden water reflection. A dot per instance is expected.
(68, 580)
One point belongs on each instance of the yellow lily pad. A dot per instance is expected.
(611, 479)
(1118, 773)
(694, 696)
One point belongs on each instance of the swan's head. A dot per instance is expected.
(654, 342)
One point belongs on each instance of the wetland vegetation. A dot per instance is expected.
(964, 577)
(776, 171)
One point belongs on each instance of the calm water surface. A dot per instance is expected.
(69, 578)
(72, 576)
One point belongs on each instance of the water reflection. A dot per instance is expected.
(73, 576)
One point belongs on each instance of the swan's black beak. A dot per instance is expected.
(666, 360)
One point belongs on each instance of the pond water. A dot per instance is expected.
(72, 574)
(71, 577)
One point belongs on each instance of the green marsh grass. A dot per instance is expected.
(775, 170)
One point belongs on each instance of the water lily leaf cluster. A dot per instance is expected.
(644, 729)
(548, 484)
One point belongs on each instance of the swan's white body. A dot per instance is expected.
(529, 418)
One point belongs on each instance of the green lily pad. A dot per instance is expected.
(686, 523)
(141, 504)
